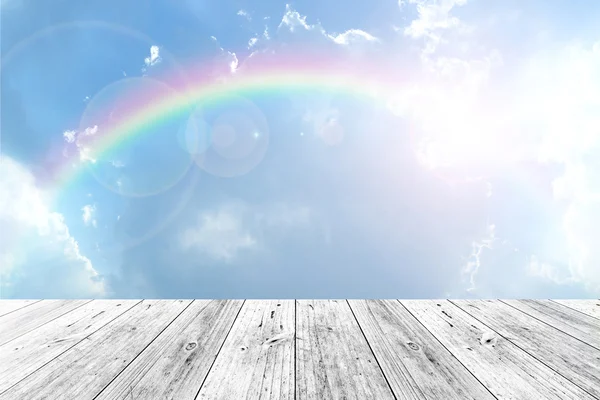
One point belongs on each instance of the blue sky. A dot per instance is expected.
(477, 177)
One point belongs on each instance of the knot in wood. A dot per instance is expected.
(413, 346)
(190, 346)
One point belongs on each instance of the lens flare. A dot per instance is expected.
(239, 137)
(148, 165)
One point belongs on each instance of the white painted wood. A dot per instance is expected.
(572, 322)
(333, 358)
(27, 353)
(257, 358)
(28, 318)
(416, 365)
(8, 306)
(506, 370)
(571, 358)
(177, 362)
(85, 369)
(589, 307)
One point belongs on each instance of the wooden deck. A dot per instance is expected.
(304, 349)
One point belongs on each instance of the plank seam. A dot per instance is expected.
(574, 309)
(520, 348)
(372, 352)
(445, 348)
(141, 351)
(219, 351)
(75, 344)
(37, 327)
(544, 322)
(20, 308)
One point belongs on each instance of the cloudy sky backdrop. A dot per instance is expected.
(476, 175)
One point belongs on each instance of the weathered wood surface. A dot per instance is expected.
(506, 370)
(27, 353)
(306, 349)
(589, 307)
(8, 306)
(333, 358)
(83, 371)
(414, 362)
(569, 357)
(26, 319)
(257, 358)
(572, 322)
(177, 362)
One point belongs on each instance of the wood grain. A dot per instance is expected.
(257, 358)
(309, 349)
(83, 371)
(576, 361)
(28, 318)
(589, 307)
(333, 358)
(177, 362)
(572, 322)
(8, 306)
(506, 370)
(414, 362)
(27, 353)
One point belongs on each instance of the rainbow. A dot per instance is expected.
(260, 75)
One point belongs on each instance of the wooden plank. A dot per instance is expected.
(572, 322)
(507, 371)
(31, 351)
(26, 319)
(416, 365)
(8, 306)
(83, 371)
(257, 358)
(177, 362)
(333, 358)
(566, 355)
(589, 307)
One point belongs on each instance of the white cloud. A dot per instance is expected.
(558, 103)
(38, 255)
(293, 20)
(83, 142)
(88, 215)
(352, 35)
(468, 119)
(474, 260)
(70, 136)
(230, 57)
(252, 42)
(245, 14)
(219, 234)
(547, 271)
(154, 57)
(235, 227)
(233, 64)
(434, 17)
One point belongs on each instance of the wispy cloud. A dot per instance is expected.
(244, 14)
(88, 215)
(234, 227)
(352, 35)
(474, 261)
(433, 18)
(154, 57)
(294, 22)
